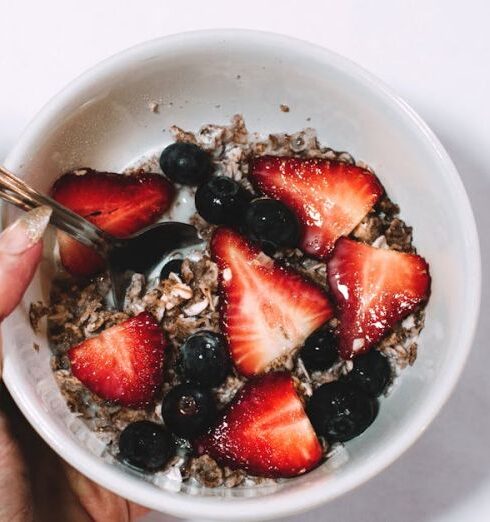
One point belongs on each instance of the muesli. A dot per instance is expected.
(249, 358)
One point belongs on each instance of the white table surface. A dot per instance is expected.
(436, 55)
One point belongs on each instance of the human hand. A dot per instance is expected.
(35, 484)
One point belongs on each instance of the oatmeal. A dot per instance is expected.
(191, 300)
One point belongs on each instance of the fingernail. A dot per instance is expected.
(25, 232)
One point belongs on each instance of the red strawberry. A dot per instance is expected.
(266, 310)
(118, 204)
(124, 363)
(374, 289)
(264, 430)
(78, 259)
(329, 198)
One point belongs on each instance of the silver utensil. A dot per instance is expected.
(141, 252)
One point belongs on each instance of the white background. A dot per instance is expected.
(435, 54)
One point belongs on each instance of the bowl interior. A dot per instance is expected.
(103, 120)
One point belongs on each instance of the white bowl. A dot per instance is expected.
(102, 120)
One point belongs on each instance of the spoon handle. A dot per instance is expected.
(15, 191)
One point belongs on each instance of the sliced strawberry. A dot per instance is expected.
(118, 204)
(124, 363)
(264, 430)
(329, 198)
(374, 289)
(79, 260)
(266, 309)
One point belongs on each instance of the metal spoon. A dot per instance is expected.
(141, 252)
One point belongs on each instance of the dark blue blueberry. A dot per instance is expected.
(188, 410)
(371, 373)
(146, 445)
(272, 225)
(174, 266)
(222, 201)
(204, 358)
(340, 411)
(319, 351)
(186, 163)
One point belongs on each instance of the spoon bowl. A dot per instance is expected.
(143, 251)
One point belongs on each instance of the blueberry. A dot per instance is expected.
(371, 373)
(272, 224)
(186, 163)
(340, 411)
(319, 351)
(174, 266)
(204, 358)
(222, 201)
(188, 410)
(146, 445)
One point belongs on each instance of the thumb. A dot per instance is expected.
(20, 253)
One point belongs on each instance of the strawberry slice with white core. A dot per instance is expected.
(329, 198)
(266, 310)
(124, 363)
(374, 288)
(264, 430)
(116, 203)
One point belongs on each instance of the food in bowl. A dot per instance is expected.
(252, 358)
